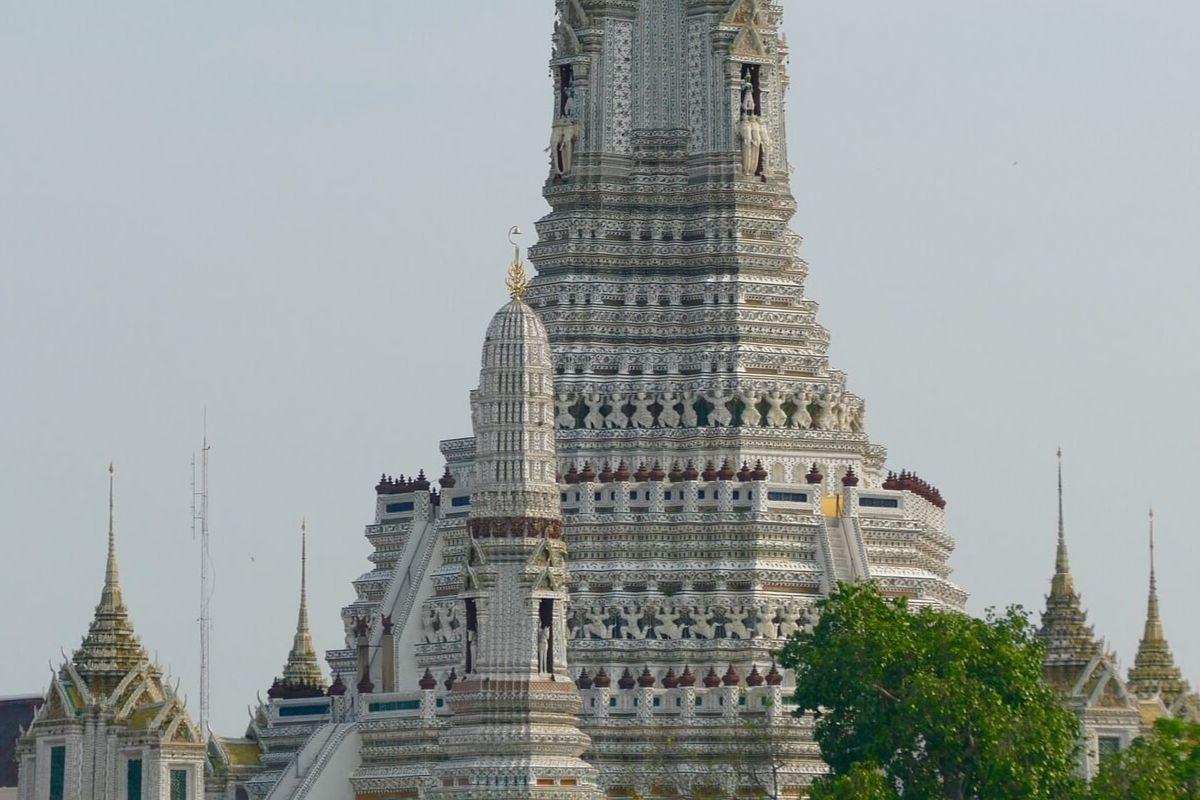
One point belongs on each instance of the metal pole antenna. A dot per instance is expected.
(200, 514)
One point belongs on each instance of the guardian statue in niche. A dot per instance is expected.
(566, 130)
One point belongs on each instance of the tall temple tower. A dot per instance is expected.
(1154, 675)
(1078, 666)
(301, 674)
(514, 730)
(712, 470)
(112, 726)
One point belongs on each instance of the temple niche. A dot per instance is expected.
(566, 130)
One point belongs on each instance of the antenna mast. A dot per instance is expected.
(200, 515)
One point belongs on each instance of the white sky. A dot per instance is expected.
(295, 213)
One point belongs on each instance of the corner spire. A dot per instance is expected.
(301, 674)
(111, 648)
(110, 595)
(1154, 628)
(1063, 581)
(1154, 671)
(1068, 638)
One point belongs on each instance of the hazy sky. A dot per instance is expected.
(295, 213)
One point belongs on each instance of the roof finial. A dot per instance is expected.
(518, 279)
(303, 621)
(302, 669)
(1063, 583)
(1154, 629)
(110, 596)
(1061, 564)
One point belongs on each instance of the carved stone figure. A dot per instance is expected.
(751, 416)
(735, 623)
(642, 417)
(802, 419)
(595, 626)
(858, 417)
(563, 139)
(826, 418)
(429, 624)
(630, 626)
(751, 145)
(701, 628)
(689, 418)
(720, 415)
(564, 418)
(747, 97)
(444, 615)
(763, 140)
(765, 625)
(776, 416)
(594, 418)
(789, 616)
(665, 626)
(616, 417)
(544, 664)
(669, 416)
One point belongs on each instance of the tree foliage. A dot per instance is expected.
(1162, 766)
(860, 783)
(939, 704)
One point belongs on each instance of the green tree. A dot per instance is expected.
(942, 705)
(1162, 766)
(861, 783)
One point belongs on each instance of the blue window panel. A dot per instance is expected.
(633, 495)
(700, 494)
(396, 508)
(179, 784)
(597, 497)
(133, 779)
(787, 497)
(737, 495)
(879, 502)
(58, 772)
(459, 502)
(303, 711)
(666, 495)
(395, 705)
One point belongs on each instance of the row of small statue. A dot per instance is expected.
(685, 679)
(830, 411)
(690, 621)
(910, 482)
(442, 623)
(402, 485)
(677, 473)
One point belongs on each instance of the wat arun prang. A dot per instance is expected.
(665, 476)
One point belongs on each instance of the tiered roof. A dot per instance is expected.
(111, 648)
(1154, 671)
(302, 673)
(1071, 643)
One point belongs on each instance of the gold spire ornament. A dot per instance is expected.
(518, 279)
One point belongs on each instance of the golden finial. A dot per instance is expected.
(517, 280)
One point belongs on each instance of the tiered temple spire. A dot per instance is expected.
(1154, 671)
(302, 674)
(1069, 640)
(111, 648)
